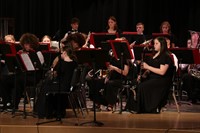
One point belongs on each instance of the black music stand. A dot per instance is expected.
(28, 65)
(122, 51)
(97, 38)
(98, 59)
(141, 49)
(5, 49)
(134, 37)
(14, 67)
(185, 56)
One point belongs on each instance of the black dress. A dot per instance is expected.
(152, 93)
(51, 100)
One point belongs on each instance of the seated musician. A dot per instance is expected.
(29, 43)
(60, 82)
(190, 73)
(9, 39)
(75, 41)
(152, 93)
(104, 90)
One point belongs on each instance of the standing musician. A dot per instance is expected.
(29, 43)
(152, 93)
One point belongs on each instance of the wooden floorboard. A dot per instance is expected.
(169, 121)
(113, 122)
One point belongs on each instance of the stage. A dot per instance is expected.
(168, 121)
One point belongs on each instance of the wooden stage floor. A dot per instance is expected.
(166, 122)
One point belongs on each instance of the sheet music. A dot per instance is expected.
(27, 62)
(41, 57)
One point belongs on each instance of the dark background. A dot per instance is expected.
(48, 16)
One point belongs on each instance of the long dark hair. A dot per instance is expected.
(163, 46)
(69, 52)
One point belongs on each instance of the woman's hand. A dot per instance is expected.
(144, 66)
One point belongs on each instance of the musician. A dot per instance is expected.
(191, 82)
(165, 28)
(9, 38)
(141, 38)
(74, 28)
(29, 43)
(75, 41)
(112, 26)
(61, 81)
(152, 93)
(105, 90)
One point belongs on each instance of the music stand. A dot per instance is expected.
(44, 46)
(14, 67)
(97, 38)
(27, 65)
(5, 49)
(134, 37)
(185, 56)
(141, 49)
(98, 59)
(122, 51)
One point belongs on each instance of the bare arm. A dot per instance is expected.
(161, 71)
(124, 71)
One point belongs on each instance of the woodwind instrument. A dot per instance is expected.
(140, 73)
(87, 45)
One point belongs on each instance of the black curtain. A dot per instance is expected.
(47, 17)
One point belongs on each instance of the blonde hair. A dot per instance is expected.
(9, 36)
(167, 24)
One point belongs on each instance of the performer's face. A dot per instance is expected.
(157, 45)
(165, 29)
(111, 23)
(27, 47)
(75, 26)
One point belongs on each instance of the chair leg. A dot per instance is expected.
(177, 106)
(71, 102)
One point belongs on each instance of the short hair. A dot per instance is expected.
(11, 36)
(75, 20)
(76, 37)
(28, 38)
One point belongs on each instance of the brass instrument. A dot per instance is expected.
(194, 71)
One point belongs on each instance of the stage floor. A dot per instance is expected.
(167, 121)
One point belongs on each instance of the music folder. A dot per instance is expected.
(26, 61)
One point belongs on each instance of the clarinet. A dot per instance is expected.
(140, 73)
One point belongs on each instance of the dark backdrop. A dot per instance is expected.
(48, 16)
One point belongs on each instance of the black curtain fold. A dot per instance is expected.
(43, 17)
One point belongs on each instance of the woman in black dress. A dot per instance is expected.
(152, 93)
(48, 104)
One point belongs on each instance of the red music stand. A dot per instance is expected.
(97, 38)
